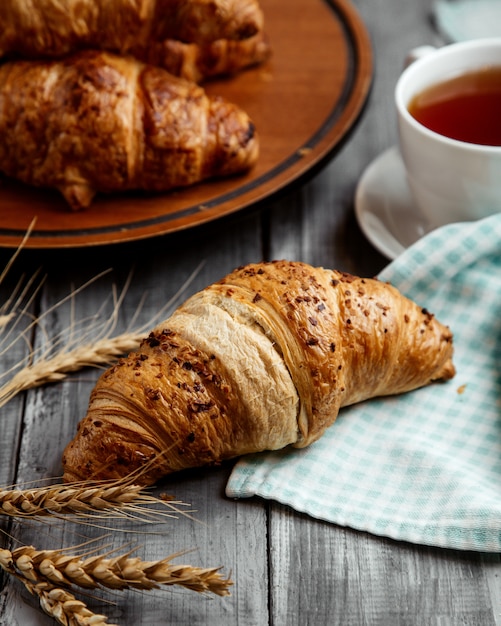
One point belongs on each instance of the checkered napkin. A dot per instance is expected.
(423, 467)
(468, 19)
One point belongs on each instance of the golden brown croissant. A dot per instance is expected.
(263, 359)
(100, 122)
(198, 62)
(34, 28)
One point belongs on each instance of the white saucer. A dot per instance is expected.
(384, 207)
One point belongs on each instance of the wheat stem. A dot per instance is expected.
(17, 251)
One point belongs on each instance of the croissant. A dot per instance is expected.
(198, 62)
(34, 28)
(99, 122)
(261, 360)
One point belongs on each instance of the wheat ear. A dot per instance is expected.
(94, 347)
(86, 499)
(56, 368)
(59, 603)
(118, 573)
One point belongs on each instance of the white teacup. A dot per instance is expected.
(450, 180)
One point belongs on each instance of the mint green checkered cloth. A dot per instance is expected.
(468, 19)
(424, 467)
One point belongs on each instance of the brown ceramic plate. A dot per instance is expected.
(304, 101)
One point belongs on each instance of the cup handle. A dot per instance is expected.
(418, 53)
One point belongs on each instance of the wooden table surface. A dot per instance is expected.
(288, 569)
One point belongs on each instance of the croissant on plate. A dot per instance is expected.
(198, 62)
(261, 360)
(100, 122)
(35, 28)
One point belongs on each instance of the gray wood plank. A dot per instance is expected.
(341, 576)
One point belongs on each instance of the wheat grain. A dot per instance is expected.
(5, 319)
(64, 607)
(118, 573)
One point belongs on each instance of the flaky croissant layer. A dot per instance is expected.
(100, 122)
(261, 360)
(198, 62)
(50, 28)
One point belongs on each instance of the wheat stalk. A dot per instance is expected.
(61, 500)
(93, 348)
(114, 498)
(118, 573)
(56, 368)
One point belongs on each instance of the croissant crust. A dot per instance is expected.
(49, 28)
(261, 360)
(100, 122)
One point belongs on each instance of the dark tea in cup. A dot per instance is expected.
(466, 107)
(454, 173)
